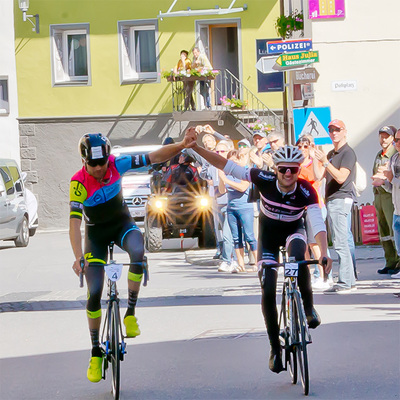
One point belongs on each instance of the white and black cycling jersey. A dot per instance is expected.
(277, 206)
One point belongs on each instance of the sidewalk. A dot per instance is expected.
(205, 257)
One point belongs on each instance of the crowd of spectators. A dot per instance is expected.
(236, 204)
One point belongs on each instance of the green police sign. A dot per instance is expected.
(295, 59)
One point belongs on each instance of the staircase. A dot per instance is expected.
(225, 84)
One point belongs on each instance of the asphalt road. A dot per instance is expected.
(203, 335)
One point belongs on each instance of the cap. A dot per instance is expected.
(389, 129)
(260, 133)
(244, 141)
(338, 123)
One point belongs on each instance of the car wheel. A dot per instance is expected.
(153, 234)
(23, 238)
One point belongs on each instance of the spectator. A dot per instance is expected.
(260, 142)
(305, 143)
(184, 65)
(227, 264)
(240, 212)
(383, 199)
(244, 146)
(393, 176)
(201, 63)
(339, 167)
(275, 141)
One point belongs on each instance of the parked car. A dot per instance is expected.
(136, 182)
(14, 215)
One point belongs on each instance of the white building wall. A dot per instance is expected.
(363, 47)
(9, 136)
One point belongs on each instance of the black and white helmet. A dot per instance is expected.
(287, 154)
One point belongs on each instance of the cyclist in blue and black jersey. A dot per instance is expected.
(96, 195)
(284, 198)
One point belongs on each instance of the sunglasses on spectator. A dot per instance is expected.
(242, 145)
(293, 170)
(94, 163)
(334, 129)
(221, 151)
(303, 146)
(396, 140)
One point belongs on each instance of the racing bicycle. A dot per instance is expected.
(294, 333)
(112, 345)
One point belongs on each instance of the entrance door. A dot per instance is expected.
(220, 43)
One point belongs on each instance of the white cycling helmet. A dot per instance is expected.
(287, 154)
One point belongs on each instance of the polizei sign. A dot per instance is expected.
(278, 47)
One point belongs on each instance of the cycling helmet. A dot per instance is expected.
(288, 154)
(94, 148)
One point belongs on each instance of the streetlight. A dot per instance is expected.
(24, 6)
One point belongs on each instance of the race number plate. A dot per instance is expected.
(291, 270)
(113, 271)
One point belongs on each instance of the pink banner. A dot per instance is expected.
(319, 9)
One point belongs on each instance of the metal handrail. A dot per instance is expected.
(226, 84)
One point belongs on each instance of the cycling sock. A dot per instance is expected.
(94, 336)
(132, 300)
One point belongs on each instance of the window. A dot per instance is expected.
(70, 54)
(4, 104)
(139, 57)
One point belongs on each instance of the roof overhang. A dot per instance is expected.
(212, 11)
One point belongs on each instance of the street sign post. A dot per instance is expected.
(296, 59)
(294, 45)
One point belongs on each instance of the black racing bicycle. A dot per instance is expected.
(112, 344)
(294, 333)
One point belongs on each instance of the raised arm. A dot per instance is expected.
(213, 158)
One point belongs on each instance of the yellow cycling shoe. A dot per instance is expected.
(131, 325)
(94, 372)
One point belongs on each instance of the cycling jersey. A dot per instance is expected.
(102, 202)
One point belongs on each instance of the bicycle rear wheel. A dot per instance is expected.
(115, 350)
(302, 354)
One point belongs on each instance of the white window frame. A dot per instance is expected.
(60, 75)
(127, 61)
(4, 96)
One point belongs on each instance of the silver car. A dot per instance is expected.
(14, 216)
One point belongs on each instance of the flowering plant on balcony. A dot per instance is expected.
(233, 102)
(285, 25)
(260, 126)
(191, 73)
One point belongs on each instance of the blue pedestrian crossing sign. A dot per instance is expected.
(312, 121)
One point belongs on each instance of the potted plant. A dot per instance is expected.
(192, 74)
(285, 25)
(233, 103)
(260, 126)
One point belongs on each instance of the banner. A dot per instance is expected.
(369, 225)
(320, 9)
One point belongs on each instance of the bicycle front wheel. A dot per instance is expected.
(115, 350)
(293, 338)
(302, 343)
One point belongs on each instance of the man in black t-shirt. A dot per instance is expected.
(340, 173)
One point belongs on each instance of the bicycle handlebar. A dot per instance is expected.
(301, 263)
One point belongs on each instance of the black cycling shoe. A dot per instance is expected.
(385, 270)
(313, 319)
(275, 360)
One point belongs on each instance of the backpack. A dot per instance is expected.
(360, 181)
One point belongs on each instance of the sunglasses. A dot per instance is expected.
(303, 146)
(94, 163)
(242, 145)
(221, 151)
(396, 140)
(334, 129)
(293, 170)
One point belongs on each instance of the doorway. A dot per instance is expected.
(220, 42)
